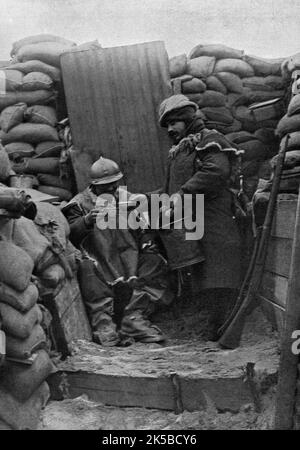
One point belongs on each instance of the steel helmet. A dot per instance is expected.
(105, 171)
(171, 104)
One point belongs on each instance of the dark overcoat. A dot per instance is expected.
(206, 169)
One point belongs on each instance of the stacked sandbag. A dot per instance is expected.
(225, 83)
(53, 270)
(23, 375)
(36, 258)
(28, 119)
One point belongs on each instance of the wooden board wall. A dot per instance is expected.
(273, 292)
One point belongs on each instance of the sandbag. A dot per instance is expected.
(48, 148)
(266, 135)
(232, 81)
(290, 64)
(218, 50)
(38, 165)
(41, 97)
(254, 150)
(263, 66)
(194, 97)
(214, 84)
(37, 66)
(31, 133)
(294, 106)
(12, 201)
(34, 81)
(222, 128)
(16, 266)
(12, 116)
(288, 125)
(194, 85)
(38, 39)
(13, 79)
(46, 179)
(48, 52)
(17, 324)
(26, 415)
(250, 168)
(61, 193)
(21, 301)
(246, 116)
(235, 100)
(22, 380)
(5, 165)
(52, 276)
(294, 141)
(73, 256)
(292, 159)
(201, 67)
(49, 213)
(177, 65)
(275, 82)
(240, 136)
(17, 150)
(257, 83)
(237, 66)
(41, 114)
(260, 96)
(218, 114)
(211, 98)
(24, 348)
(25, 233)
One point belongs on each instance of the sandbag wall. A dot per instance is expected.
(36, 259)
(28, 118)
(23, 390)
(225, 82)
(290, 124)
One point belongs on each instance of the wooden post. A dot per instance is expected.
(287, 380)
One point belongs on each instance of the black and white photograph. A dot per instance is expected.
(149, 218)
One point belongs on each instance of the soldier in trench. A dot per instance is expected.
(199, 162)
(122, 275)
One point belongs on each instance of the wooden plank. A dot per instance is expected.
(122, 391)
(279, 256)
(288, 367)
(226, 394)
(72, 312)
(284, 219)
(275, 315)
(69, 319)
(274, 287)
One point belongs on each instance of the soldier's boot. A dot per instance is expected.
(106, 332)
(136, 326)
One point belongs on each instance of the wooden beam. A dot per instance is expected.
(196, 393)
(284, 219)
(279, 256)
(286, 390)
(274, 287)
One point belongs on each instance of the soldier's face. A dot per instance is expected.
(109, 188)
(176, 130)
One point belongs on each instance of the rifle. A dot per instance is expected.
(232, 329)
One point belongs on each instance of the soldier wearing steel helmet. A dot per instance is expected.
(122, 275)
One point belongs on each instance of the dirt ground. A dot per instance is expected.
(187, 352)
(82, 414)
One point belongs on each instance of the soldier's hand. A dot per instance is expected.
(91, 217)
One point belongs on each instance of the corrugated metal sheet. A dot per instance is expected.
(112, 99)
